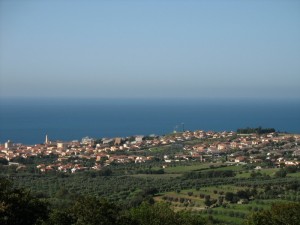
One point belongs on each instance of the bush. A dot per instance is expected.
(280, 173)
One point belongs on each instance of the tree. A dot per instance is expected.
(61, 217)
(89, 211)
(207, 201)
(162, 214)
(92, 211)
(220, 200)
(280, 173)
(149, 191)
(291, 169)
(17, 206)
(3, 161)
(105, 172)
(229, 196)
(157, 214)
(279, 214)
(243, 194)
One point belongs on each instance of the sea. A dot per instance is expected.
(28, 120)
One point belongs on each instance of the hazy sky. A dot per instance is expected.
(163, 48)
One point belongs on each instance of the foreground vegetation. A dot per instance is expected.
(193, 193)
(20, 207)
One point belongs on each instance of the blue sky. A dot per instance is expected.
(150, 49)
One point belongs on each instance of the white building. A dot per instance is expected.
(87, 141)
(8, 144)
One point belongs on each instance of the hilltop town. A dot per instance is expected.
(270, 149)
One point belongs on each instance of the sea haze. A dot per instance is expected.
(29, 120)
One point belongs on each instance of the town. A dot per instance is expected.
(274, 149)
(220, 177)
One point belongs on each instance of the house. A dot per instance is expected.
(213, 150)
(62, 145)
(291, 163)
(140, 159)
(296, 153)
(107, 141)
(240, 159)
(199, 148)
(139, 138)
(234, 144)
(100, 156)
(118, 141)
(255, 160)
(243, 201)
(222, 146)
(87, 141)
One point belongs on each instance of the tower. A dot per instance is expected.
(8, 144)
(46, 139)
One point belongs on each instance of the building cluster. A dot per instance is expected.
(196, 145)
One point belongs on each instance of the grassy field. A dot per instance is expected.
(157, 176)
(183, 169)
(233, 167)
(158, 149)
(294, 174)
(246, 174)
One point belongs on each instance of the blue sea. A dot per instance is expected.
(29, 120)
